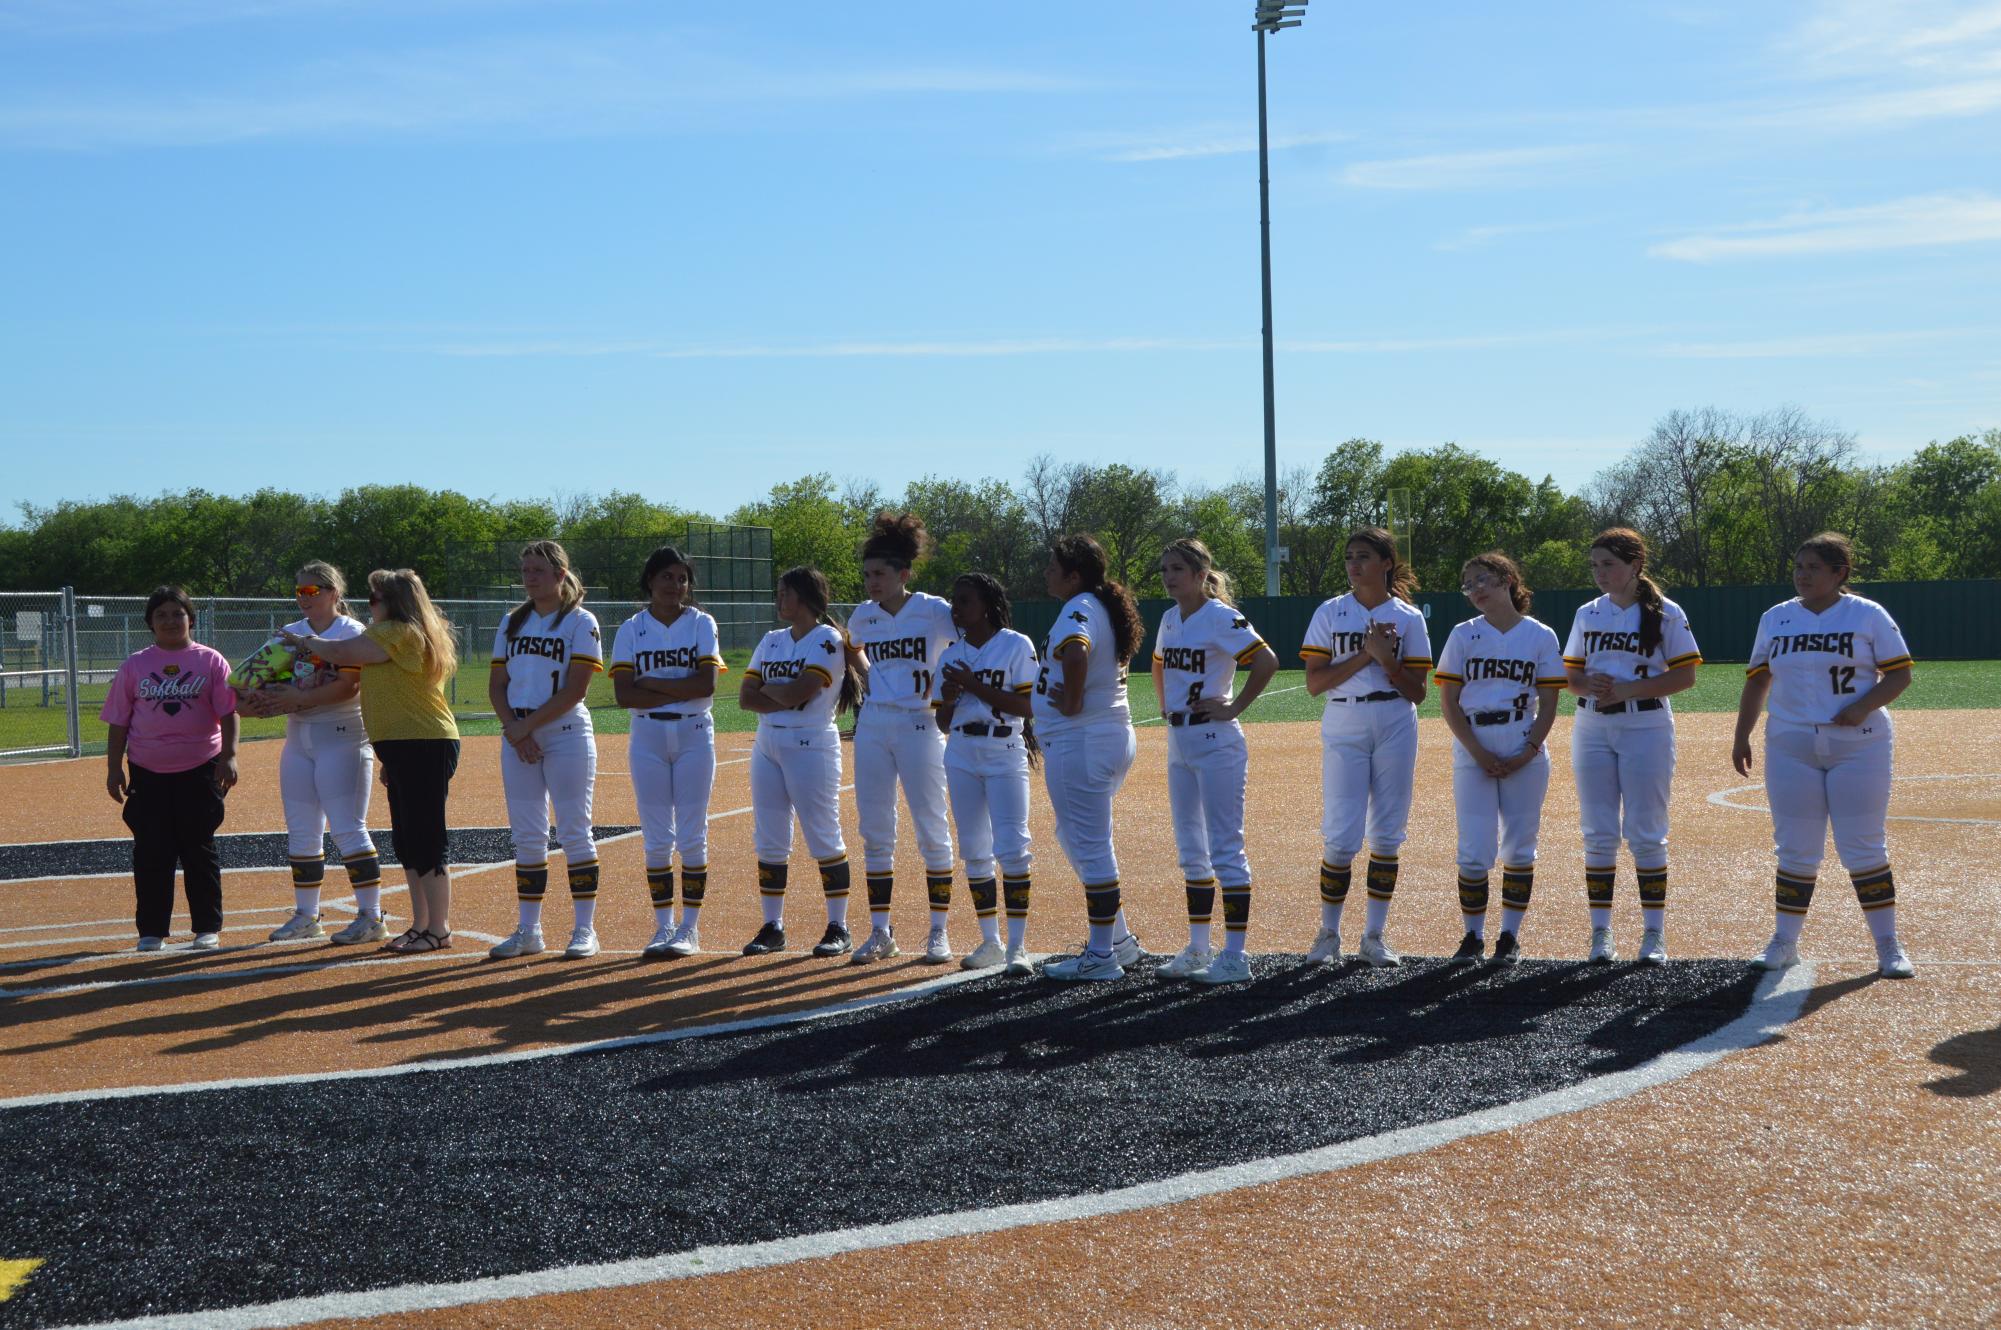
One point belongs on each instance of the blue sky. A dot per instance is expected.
(523, 247)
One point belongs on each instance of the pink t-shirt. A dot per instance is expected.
(171, 704)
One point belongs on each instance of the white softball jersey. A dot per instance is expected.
(1005, 661)
(781, 658)
(538, 656)
(1605, 639)
(1338, 628)
(1199, 654)
(649, 649)
(1499, 671)
(310, 672)
(903, 651)
(1083, 619)
(1819, 663)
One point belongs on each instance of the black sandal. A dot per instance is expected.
(426, 940)
(400, 944)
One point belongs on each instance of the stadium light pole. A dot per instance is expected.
(1272, 15)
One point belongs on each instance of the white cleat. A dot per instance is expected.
(1229, 967)
(687, 941)
(298, 928)
(1653, 947)
(1891, 962)
(985, 956)
(880, 946)
(1190, 959)
(1374, 951)
(521, 942)
(1127, 950)
(656, 950)
(205, 942)
(1602, 950)
(1777, 955)
(937, 948)
(1086, 966)
(365, 928)
(151, 944)
(1017, 965)
(1326, 948)
(583, 943)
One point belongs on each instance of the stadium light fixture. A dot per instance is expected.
(1271, 16)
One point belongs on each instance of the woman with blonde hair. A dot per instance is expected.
(406, 655)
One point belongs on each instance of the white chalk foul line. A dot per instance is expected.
(1723, 799)
(1779, 1000)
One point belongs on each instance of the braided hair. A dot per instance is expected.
(1630, 547)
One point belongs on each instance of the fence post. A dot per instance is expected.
(69, 671)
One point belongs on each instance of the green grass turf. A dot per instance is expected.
(1938, 685)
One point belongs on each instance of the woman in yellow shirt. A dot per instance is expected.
(406, 656)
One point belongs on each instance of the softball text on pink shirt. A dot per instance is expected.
(171, 704)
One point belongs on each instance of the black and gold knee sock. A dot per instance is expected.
(1382, 878)
(1792, 894)
(1653, 895)
(1875, 889)
(309, 872)
(771, 889)
(1473, 894)
(938, 887)
(1517, 885)
(834, 878)
(881, 887)
(660, 886)
(1101, 908)
(1334, 882)
(531, 882)
(1201, 909)
(985, 892)
(1016, 889)
(364, 879)
(1236, 916)
(694, 886)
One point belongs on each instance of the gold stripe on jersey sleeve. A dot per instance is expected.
(1315, 653)
(499, 663)
(822, 672)
(1244, 656)
(618, 665)
(1894, 663)
(1159, 659)
(1024, 688)
(1753, 671)
(721, 666)
(1418, 663)
(1687, 658)
(1080, 640)
(1560, 681)
(1578, 662)
(752, 672)
(1440, 676)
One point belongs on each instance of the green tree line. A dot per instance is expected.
(1724, 498)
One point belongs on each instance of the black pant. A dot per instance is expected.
(173, 816)
(418, 774)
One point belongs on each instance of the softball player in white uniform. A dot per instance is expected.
(1830, 663)
(1087, 737)
(544, 654)
(796, 682)
(1369, 651)
(1499, 677)
(986, 680)
(1627, 652)
(326, 768)
(664, 663)
(900, 634)
(1201, 642)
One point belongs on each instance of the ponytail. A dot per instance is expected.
(1216, 583)
(326, 575)
(1085, 557)
(1630, 547)
(569, 587)
(1401, 579)
(1499, 564)
(811, 586)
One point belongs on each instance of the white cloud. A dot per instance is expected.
(1817, 345)
(1480, 237)
(1924, 221)
(1211, 142)
(1466, 170)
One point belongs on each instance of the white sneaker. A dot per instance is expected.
(1602, 950)
(1190, 959)
(657, 948)
(1326, 948)
(1376, 952)
(521, 942)
(881, 945)
(1127, 950)
(985, 956)
(1088, 966)
(205, 942)
(1229, 967)
(1017, 965)
(298, 928)
(687, 941)
(365, 928)
(151, 943)
(937, 948)
(583, 943)
(1891, 962)
(1653, 947)
(1777, 955)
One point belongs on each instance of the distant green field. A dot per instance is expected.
(1939, 685)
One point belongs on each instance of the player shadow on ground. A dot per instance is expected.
(1977, 1055)
(1346, 1020)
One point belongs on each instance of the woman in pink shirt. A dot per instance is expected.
(173, 715)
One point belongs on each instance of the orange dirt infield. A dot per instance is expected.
(1844, 1173)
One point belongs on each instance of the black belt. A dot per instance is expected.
(1638, 704)
(1491, 717)
(979, 729)
(523, 713)
(1390, 696)
(669, 715)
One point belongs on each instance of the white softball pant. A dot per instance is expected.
(1368, 767)
(1822, 774)
(673, 764)
(895, 744)
(796, 771)
(1503, 814)
(1207, 768)
(988, 782)
(1623, 773)
(1084, 769)
(324, 774)
(565, 778)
